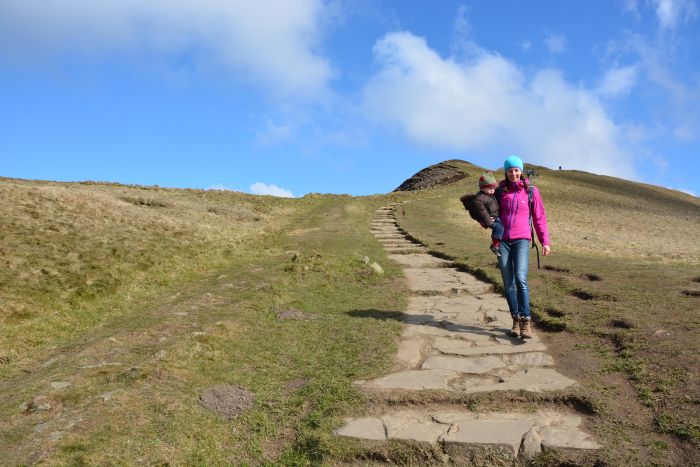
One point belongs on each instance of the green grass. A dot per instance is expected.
(215, 322)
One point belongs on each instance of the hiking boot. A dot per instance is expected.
(496, 250)
(525, 330)
(515, 329)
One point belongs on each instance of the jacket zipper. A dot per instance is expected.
(514, 202)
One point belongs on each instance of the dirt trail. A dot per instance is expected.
(455, 340)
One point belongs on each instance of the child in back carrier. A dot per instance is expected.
(486, 208)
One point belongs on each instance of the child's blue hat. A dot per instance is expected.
(513, 161)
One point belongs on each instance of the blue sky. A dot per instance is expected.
(289, 97)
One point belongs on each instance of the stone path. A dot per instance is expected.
(455, 340)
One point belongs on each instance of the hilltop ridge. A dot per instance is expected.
(442, 173)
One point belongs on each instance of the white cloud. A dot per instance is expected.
(487, 104)
(556, 43)
(670, 12)
(618, 81)
(260, 188)
(631, 6)
(274, 133)
(526, 46)
(273, 42)
(660, 67)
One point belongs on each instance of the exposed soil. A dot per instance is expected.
(227, 401)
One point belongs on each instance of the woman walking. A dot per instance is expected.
(518, 201)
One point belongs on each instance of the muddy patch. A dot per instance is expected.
(585, 295)
(621, 323)
(227, 401)
(553, 312)
(556, 269)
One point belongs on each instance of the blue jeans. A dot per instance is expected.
(497, 229)
(513, 263)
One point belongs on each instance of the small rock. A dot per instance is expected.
(160, 354)
(24, 407)
(377, 268)
(44, 407)
(364, 259)
(60, 384)
(223, 276)
(107, 395)
(72, 423)
(114, 339)
(56, 436)
(162, 339)
(181, 313)
(41, 427)
(49, 362)
(490, 317)
(532, 443)
(197, 333)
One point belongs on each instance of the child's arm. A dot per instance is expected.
(484, 217)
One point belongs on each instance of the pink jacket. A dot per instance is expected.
(515, 215)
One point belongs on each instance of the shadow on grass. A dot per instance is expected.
(378, 314)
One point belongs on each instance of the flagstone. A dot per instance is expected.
(533, 380)
(463, 365)
(414, 379)
(363, 428)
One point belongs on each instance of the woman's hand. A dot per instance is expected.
(546, 250)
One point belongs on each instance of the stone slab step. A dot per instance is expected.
(420, 260)
(406, 250)
(444, 281)
(390, 245)
(396, 241)
(391, 237)
(531, 380)
(469, 438)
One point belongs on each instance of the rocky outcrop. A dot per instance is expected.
(435, 175)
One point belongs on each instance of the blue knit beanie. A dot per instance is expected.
(513, 161)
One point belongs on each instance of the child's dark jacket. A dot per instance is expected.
(486, 208)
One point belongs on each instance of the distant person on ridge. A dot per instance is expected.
(483, 208)
(521, 208)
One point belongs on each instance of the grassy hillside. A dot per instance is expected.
(619, 298)
(120, 304)
(76, 253)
